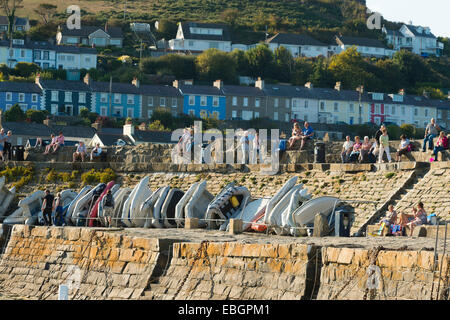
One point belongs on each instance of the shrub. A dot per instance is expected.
(93, 176)
(390, 175)
(23, 175)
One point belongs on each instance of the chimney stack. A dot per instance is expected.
(426, 94)
(218, 84)
(259, 83)
(360, 89)
(401, 92)
(87, 79)
(97, 126)
(136, 82)
(176, 84)
(338, 86)
(448, 95)
(47, 122)
(309, 85)
(37, 80)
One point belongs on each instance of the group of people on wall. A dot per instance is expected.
(373, 150)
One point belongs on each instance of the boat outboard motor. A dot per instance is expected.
(342, 223)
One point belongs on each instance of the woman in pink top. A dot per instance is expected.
(59, 142)
(356, 150)
(52, 144)
(441, 145)
(420, 218)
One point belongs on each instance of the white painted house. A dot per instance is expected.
(366, 46)
(299, 45)
(75, 58)
(416, 39)
(197, 37)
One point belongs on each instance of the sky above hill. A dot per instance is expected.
(428, 13)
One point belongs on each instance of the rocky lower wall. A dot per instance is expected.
(98, 264)
(239, 271)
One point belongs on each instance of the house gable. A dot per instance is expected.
(99, 34)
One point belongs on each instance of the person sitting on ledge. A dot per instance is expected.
(431, 132)
(296, 135)
(419, 217)
(96, 152)
(441, 144)
(365, 150)
(307, 134)
(356, 150)
(346, 149)
(403, 148)
(80, 152)
(390, 218)
(51, 144)
(59, 142)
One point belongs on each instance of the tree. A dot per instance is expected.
(43, 32)
(37, 116)
(46, 11)
(214, 64)
(260, 61)
(412, 66)
(284, 64)
(157, 126)
(241, 61)
(164, 117)
(25, 69)
(167, 29)
(230, 16)
(9, 7)
(15, 114)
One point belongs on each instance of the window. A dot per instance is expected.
(233, 114)
(149, 113)
(174, 103)
(162, 101)
(306, 104)
(393, 110)
(416, 123)
(305, 117)
(322, 106)
(286, 117)
(214, 45)
(34, 98)
(416, 111)
(439, 114)
(191, 113)
(69, 110)
(22, 53)
(203, 100)
(103, 111)
(23, 106)
(103, 97)
(82, 97)
(245, 103)
(256, 114)
(117, 97)
(87, 59)
(275, 116)
(130, 112)
(46, 65)
(54, 95)
(351, 120)
(377, 109)
(8, 106)
(275, 102)
(150, 101)
(53, 108)
(46, 55)
(234, 101)
(8, 96)
(215, 101)
(294, 103)
(351, 108)
(403, 111)
(37, 55)
(288, 103)
(203, 114)
(257, 102)
(191, 100)
(130, 99)
(21, 97)
(68, 96)
(215, 114)
(426, 113)
(336, 107)
(117, 111)
(191, 43)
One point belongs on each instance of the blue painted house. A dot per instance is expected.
(203, 101)
(64, 97)
(26, 95)
(126, 99)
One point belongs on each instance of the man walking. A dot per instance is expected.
(431, 132)
(47, 207)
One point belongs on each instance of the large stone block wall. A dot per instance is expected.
(99, 264)
(239, 271)
(402, 275)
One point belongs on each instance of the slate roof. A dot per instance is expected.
(226, 35)
(45, 45)
(74, 131)
(295, 39)
(117, 87)
(153, 136)
(27, 129)
(65, 85)
(242, 91)
(423, 34)
(109, 139)
(75, 49)
(159, 90)
(18, 21)
(25, 87)
(200, 89)
(358, 41)
(85, 31)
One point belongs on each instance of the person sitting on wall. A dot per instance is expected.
(51, 144)
(420, 218)
(296, 135)
(373, 152)
(346, 149)
(403, 148)
(356, 150)
(80, 152)
(307, 134)
(365, 150)
(59, 142)
(431, 132)
(390, 218)
(96, 152)
(441, 144)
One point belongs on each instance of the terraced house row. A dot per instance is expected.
(227, 102)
